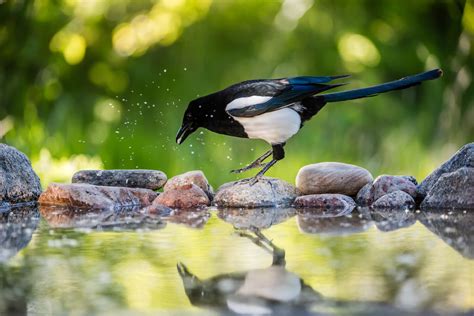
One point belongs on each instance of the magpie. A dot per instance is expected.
(275, 109)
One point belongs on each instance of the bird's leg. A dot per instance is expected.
(265, 243)
(257, 163)
(278, 154)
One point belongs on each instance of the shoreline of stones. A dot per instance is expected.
(322, 187)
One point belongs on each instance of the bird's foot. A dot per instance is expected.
(250, 181)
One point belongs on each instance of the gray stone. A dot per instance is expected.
(195, 177)
(18, 182)
(335, 204)
(364, 197)
(453, 190)
(389, 219)
(463, 158)
(95, 197)
(332, 177)
(267, 192)
(395, 200)
(132, 178)
(332, 225)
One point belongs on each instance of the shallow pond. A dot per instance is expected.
(236, 262)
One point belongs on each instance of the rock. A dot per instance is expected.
(364, 197)
(260, 218)
(186, 196)
(108, 219)
(453, 190)
(132, 178)
(336, 204)
(332, 226)
(386, 184)
(395, 200)
(332, 177)
(95, 197)
(18, 182)
(195, 177)
(463, 158)
(267, 192)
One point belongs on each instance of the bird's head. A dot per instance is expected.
(192, 120)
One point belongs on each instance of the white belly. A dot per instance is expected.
(273, 127)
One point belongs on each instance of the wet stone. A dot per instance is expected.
(332, 177)
(332, 225)
(267, 192)
(195, 177)
(261, 218)
(132, 178)
(395, 200)
(188, 196)
(463, 158)
(364, 197)
(18, 182)
(387, 219)
(453, 190)
(95, 197)
(326, 203)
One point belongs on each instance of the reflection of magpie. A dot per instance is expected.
(274, 110)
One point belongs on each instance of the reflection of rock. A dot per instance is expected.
(16, 228)
(126, 218)
(257, 217)
(195, 177)
(193, 219)
(337, 225)
(326, 203)
(94, 196)
(463, 158)
(18, 181)
(132, 178)
(187, 196)
(452, 190)
(387, 219)
(395, 200)
(332, 177)
(454, 228)
(267, 192)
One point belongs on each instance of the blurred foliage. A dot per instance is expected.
(104, 83)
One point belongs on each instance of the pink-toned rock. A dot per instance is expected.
(195, 177)
(387, 184)
(332, 203)
(187, 196)
(95, 197)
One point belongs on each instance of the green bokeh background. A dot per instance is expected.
(103, 84)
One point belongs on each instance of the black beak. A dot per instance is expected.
(183, 133)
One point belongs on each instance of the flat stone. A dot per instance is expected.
(195, 177)
(464, 157)
(18, 182)
(267, 192)
(96, 197)
(326, 203)
(395, 200)
(261, 218)
(187, 196)
(453, 190)
(332, 177)
(131, 178)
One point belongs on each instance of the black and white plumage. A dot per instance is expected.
(275, 109)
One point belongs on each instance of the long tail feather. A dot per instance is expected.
(381, 88)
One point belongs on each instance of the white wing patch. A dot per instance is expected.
(246, 101)
(273, 127)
